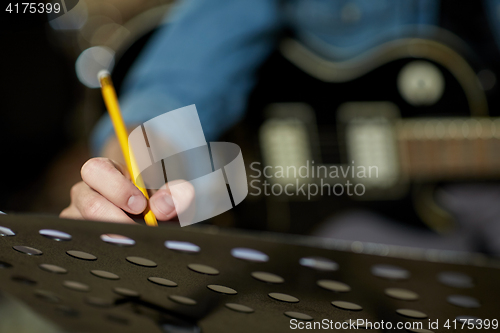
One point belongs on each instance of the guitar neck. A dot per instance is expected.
(449, 148)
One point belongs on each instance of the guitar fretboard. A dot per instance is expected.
(452, 148)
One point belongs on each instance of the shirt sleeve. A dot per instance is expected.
(206, 54)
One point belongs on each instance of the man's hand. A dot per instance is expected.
(107, 194)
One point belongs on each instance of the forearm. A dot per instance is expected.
(208, 56)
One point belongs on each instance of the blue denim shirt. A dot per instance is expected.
(210, 50)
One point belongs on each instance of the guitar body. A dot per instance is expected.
(371, 87)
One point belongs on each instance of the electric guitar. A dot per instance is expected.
(412, 109)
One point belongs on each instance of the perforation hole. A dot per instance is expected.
(249, 254)
(390, 272)
(55, 235)
(179, 246)
(267, 277)
(182, 300)
(47, 296)
(118, 240)
(53, 269)
(203, 269)
(455, 279)
(31, 251)
(23, 280)
(4, 231)
(162, 282)
(5, 265)
(319, 263)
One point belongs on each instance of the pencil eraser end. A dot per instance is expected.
(103, 73)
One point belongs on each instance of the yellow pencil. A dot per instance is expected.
(111, 101)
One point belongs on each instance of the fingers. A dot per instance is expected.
(162, 203)
(89, 205)
(104, 177)
(106, 194)
(71, 213)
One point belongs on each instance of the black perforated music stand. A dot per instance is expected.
(193, 279)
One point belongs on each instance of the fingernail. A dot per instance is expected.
(137, 203)
(165, 204)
